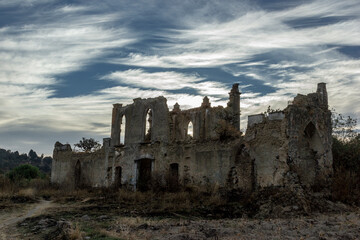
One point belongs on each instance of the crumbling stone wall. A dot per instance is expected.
(309, 135)
(202, 163)
(135, 115)
(80, 169)
(266, 141)
(205, 119)
(295, 141)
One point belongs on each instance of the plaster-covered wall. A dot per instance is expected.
(92, 167)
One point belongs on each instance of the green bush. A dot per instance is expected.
(25, 171)
(346, 163)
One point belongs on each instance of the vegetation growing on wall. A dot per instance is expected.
(224, 128)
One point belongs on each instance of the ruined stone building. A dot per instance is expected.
(204, 146)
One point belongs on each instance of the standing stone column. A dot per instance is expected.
(115, 125)
(234, 105)
(323, 97)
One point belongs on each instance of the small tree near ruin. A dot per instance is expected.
(88, 145)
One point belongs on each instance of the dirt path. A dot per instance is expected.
(9, 220)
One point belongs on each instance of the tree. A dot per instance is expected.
(346, 159)
(343, 127)
(346, 142)
(32, 154)
(88, 144)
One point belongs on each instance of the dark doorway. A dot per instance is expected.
(144, 174)
(109, 174)
(77, 174)
(118, 177)
(174, 177)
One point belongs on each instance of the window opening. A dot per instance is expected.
(148, 126)
(122, 129)
(190, 130)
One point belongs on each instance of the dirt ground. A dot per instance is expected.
(17, 213)
(88, 220)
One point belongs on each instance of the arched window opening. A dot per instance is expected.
(122, 129)
(190, 130)
(77, 174)
(310, 130)
(313, 138)
(148, 125)
(311, 151)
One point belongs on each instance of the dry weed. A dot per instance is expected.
(75, 233)
(27, 192)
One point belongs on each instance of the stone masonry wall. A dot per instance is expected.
(198, 164)
(91, 167)
(297, 140)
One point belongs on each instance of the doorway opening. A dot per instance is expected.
(118, 177)
(144, 174)
(77, 174)
(174, 177)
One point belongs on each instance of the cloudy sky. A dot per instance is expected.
(64, 63)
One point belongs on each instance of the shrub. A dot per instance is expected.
(226, 131)
(25, 171)
(346, 162)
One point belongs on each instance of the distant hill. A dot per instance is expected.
(10, 160)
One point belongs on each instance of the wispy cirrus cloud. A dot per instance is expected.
(23, 3)
(36, 57)
(159, 80)
(184, 51)
(239, 40)
(168, 81)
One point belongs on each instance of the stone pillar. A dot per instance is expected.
(107, 147)
(323, 98)
(115, 125)
(206, 102)
(204, 131)
(234, 105)
(176, 108)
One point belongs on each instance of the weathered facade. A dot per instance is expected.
(148, 141)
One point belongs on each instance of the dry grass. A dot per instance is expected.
(27, 192)
(76, 233)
